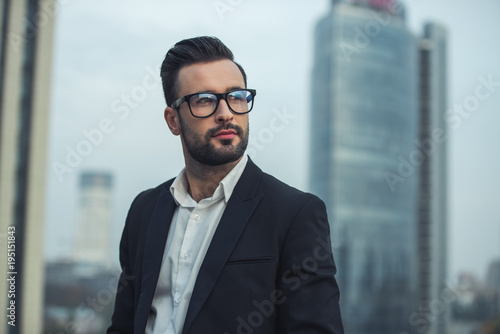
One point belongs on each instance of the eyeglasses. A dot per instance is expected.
(201, 105)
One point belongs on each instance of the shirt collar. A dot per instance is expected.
(179, 187)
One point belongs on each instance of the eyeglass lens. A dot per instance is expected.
(204, 104)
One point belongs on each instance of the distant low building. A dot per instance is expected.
(79, 297)
(477, 307)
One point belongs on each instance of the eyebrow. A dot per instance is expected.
(214, 92)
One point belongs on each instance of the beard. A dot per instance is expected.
(203, 151)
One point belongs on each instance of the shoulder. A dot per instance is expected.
(280, 191)
(276, 192)
(141, 209)
(147, 198)
(272, 184)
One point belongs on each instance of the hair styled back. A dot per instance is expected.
(190, 51)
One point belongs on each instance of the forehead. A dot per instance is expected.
(218, 76)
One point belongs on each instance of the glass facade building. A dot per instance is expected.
(363, 130)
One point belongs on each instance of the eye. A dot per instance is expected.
(238, 96)
(203, 99)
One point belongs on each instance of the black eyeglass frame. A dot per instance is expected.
(177, 103)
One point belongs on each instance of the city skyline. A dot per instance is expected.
(86, 88)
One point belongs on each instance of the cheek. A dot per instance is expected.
(245, 126)
(200, 127)
(242, 121)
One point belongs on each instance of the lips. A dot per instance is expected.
(226, 134)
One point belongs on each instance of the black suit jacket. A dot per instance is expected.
(268, 269)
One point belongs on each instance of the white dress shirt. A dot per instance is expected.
(191, 230)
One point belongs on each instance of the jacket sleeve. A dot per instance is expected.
(122, 321)
(307, 294)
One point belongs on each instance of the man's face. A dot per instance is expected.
(222, 137)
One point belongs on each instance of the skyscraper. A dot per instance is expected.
(364, 127)
(26, 32)
(94, 219)
(433, 133)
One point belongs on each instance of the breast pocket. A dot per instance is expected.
(251, 260)
(245, 281)
(256, 275)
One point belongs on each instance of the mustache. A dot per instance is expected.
(236, 128)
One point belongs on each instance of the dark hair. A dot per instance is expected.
(190, 51)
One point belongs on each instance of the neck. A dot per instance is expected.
(203, 179)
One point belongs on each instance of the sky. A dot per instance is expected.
(105, 91)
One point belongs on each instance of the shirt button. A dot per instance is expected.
(196, 217)
(177, 300)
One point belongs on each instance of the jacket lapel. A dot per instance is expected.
(238, 211)
(154, 247)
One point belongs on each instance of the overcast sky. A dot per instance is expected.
(107, 51)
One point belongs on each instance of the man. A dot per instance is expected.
(222, 248)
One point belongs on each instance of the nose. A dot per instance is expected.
(223, 114)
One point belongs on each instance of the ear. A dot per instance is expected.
(172, 119)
